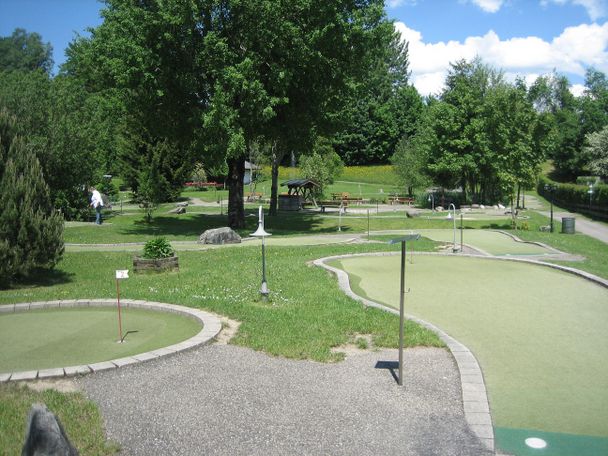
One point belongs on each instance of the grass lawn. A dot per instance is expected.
(306, 317)
(538, 333)
(80, 418)
(70, 337)
(307, 314)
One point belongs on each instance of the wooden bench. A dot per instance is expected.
(333, 203)
(353, 199)
(401, 200)
(253, 196)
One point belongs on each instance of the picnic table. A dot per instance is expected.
(401, 200)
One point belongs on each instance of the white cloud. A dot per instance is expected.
(489, 6)
(596, 9)
(577, 89)
(575, 49)
(398, 3)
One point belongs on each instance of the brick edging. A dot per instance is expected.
(211, 328)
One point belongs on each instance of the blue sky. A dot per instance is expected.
(522, 37)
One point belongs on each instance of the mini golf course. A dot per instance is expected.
(538, 333)
(49, 338)
(492, 242)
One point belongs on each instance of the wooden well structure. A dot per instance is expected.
(299, 191)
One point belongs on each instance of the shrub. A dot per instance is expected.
(31, 230)
(158, 248)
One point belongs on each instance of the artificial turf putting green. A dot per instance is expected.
(539, 334)
(43, 339)
(493, 242)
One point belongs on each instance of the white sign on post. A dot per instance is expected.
(122, 273)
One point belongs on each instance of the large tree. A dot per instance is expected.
(213, 76)
(64, 127)
(482, 135)
(382, 109)
(25, 51)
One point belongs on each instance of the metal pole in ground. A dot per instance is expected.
(402, 240)
(461, 233)
(401, 312)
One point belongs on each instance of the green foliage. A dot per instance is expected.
(199, 174)
(152, 187)
(409, 163)
(597, 150)
(62, 125)
(158, 248)
(31, 231)
(482, 135)
(108, 188)
(570, 120)
(322, 166)
(382, 109)
(25, 51)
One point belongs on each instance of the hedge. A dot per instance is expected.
(576, 197)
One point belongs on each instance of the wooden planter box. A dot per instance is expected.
(156, 264)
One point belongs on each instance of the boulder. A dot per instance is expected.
(178, 210)
(182, 204)
(223, 235)
(45, 435)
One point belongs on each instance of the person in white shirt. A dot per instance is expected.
(97, 203)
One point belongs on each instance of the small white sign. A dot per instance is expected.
(122, 273)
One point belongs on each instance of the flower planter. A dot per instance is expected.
(155, 264)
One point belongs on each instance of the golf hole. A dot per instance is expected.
(536, 443)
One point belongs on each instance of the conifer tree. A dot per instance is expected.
(31, 231)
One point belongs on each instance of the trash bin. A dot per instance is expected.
(568, 225)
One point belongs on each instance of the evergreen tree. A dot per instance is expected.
(31, 231)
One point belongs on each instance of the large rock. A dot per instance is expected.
(45, 435)
(219, 236)
(178, 210)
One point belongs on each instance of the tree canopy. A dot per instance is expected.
(25, 51)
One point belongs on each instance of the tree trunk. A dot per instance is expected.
(277, 157)
(518, 195)
(236, 208)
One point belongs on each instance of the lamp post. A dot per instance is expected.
(590, 191)
(453, 218)
(261, 233)
(549, 188)
(432, 201)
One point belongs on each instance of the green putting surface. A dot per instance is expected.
(513, 441)
(493, 242)
(43, 339)
(539, 334)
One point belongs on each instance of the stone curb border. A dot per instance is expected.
(211, 328)
(474, 395)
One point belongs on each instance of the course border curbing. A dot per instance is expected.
(474, 394)
(211, 328)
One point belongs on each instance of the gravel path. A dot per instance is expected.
(228, 400)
